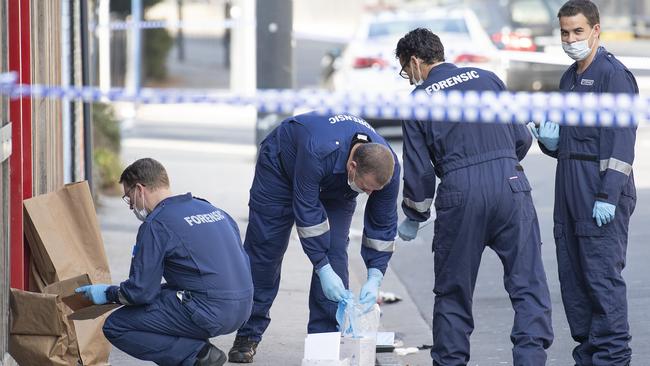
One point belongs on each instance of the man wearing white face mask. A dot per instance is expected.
(196, 247)
(483, 200)
(310, 170)
(595, 196)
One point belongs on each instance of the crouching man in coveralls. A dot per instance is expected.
(196, 247)
(310, 170)
(483, 200)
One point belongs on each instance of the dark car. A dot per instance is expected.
(528, 26)
(519, 25)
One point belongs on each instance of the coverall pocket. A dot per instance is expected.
(522, 199)
(596, 244)
(447, 220)
(201, 318)
(448, 200)
(588, 228)
(519, 184)
(558, 231)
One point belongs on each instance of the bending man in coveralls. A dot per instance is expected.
(310, 170)
(594, 197)
(483, 200)
(196, 247)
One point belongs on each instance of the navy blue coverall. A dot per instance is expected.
(483, 200)
(196, 247)
(595, 163)
(301, 176)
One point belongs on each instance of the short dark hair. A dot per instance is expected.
(421, 43)
(146, 171)
(375, 159)
(584, 7)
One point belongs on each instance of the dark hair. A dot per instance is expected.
(421, 43)
(584, 7)
(375, 159)
(146, 171)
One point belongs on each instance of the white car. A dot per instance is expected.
(369, 63)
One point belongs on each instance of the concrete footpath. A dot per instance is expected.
(284, 340)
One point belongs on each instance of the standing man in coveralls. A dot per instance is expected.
(483, 200)
(594, 196)
(196, 247)
(310, 170)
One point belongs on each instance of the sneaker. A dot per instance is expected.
(242, 350)
(214, 357)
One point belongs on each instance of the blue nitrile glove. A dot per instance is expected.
(548, 133)
(370, 290)
(408, 229)
(603, 213)
(331, 283)
(94, 293)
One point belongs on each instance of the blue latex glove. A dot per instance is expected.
(548, 133)
(94, 293)
(408, 229)
(331, 283)
(603, 213)
(370, 290)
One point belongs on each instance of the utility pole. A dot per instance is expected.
(85, 81)
(274, 46)
(180, 41)
(136, 45)
(274, 55)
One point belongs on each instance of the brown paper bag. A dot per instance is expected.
(40, 334)
(64, 236)
(65, 241)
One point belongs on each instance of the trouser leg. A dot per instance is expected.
(266, 241)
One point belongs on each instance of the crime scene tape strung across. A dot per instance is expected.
(155, 24)
(576, 109)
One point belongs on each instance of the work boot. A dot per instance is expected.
(242, 350)
(214, 357)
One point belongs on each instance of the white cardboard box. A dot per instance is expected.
(360, 351)
(345, 362)
(323, 346)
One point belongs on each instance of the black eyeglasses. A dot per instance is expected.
(403, 72)
(126, 198)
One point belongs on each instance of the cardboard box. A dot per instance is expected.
(330, 349)
(360, 351)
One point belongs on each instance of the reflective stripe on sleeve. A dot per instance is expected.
(615, 164)
(311, 231)
(422, 206)
(378, 245)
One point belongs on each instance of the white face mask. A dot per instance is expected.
(142, 213)
(354, 186)
(419, 81)
(578, 50)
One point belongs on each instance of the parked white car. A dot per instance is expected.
(369, 63)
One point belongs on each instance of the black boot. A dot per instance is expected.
(212, 357)
(242, 350)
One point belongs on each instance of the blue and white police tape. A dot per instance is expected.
(8, 78)
(577, 109)
(156, 24)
